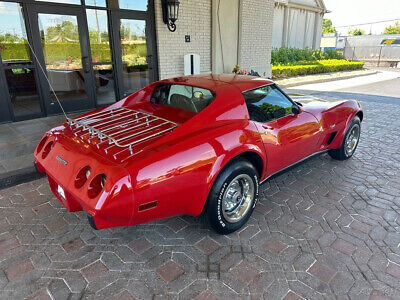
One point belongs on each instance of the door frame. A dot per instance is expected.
(50, 107)
(5, 101)
(9, 114)
(152, 59)
(29, 10)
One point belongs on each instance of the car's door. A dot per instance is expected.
(287, 137)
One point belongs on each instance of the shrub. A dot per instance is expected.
(237, 70)
(61, 51)
(284, 56)
(321, 66)
(332, 54)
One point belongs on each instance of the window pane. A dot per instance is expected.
(104, 81)
(266, 104)
(63, 57)
(60, 41)
(185, 97)
(134, 54)
(98, 34)
(63, 1)
(133, 4)
(13, 41)
(100, 3)
(23, 93)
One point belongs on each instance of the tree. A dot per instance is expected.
(356, 31)
(104, 36)
(125, 32)
(10, 38)
(66, 31)
(327, 27)
(392, 29)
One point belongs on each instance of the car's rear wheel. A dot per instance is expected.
(233, 197)
(350, 141)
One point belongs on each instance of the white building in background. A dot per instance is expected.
(298, 23)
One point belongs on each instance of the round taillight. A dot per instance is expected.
(96, 185)
(47, 149)
(82, 177)
(41, 144)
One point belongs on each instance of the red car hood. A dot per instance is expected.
(315, 105)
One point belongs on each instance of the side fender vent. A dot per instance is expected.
(147, 206)
(331, 137)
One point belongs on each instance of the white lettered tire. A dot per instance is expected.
(350, 141)
(233, 197)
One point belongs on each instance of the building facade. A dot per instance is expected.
(90, 53)
(298, 23)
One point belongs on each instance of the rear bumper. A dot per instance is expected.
(110, 205)
(70, 202)
(39, 168)
(98, 218)
(91, 222)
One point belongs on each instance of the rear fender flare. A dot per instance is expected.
(223, 160)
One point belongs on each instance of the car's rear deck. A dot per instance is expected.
(119, 132)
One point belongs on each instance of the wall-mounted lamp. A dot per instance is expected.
(170, 9)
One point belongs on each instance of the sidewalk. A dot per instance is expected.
(17, 142)
(325, 77)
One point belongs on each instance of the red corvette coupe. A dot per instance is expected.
(190, 145)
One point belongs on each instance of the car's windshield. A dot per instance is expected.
(181, 96)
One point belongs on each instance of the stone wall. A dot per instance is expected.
(253, 37)
(256, 35)
(194, 20)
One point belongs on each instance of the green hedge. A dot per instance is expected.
(284, 56)
(61, 51)
(321, 66)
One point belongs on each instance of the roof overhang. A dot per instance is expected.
(319, 5)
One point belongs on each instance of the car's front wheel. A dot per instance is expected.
(350, 141)
(233, 197)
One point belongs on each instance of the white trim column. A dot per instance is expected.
(285, 26)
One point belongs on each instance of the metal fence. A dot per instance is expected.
(389, 55)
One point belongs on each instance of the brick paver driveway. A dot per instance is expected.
(325, 229)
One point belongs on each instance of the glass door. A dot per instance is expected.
(134, 47)
(102, 60)
(19, 94)
(61, 35)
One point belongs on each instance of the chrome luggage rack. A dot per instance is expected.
(119, 127)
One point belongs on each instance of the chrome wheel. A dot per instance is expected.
(238, 198)
(352, 140)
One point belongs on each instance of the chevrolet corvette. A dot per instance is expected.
(193, 145)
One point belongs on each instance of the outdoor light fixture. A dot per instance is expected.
(170, 10)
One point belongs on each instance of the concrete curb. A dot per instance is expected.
(12, 178)
(324, 80)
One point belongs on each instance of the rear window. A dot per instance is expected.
(185, 97)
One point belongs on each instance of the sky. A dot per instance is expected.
(11, 21)
(343, 12)
(349, 12)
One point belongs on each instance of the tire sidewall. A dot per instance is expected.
(354, 121)
(214, 211)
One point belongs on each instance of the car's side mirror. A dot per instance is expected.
(295, 109)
